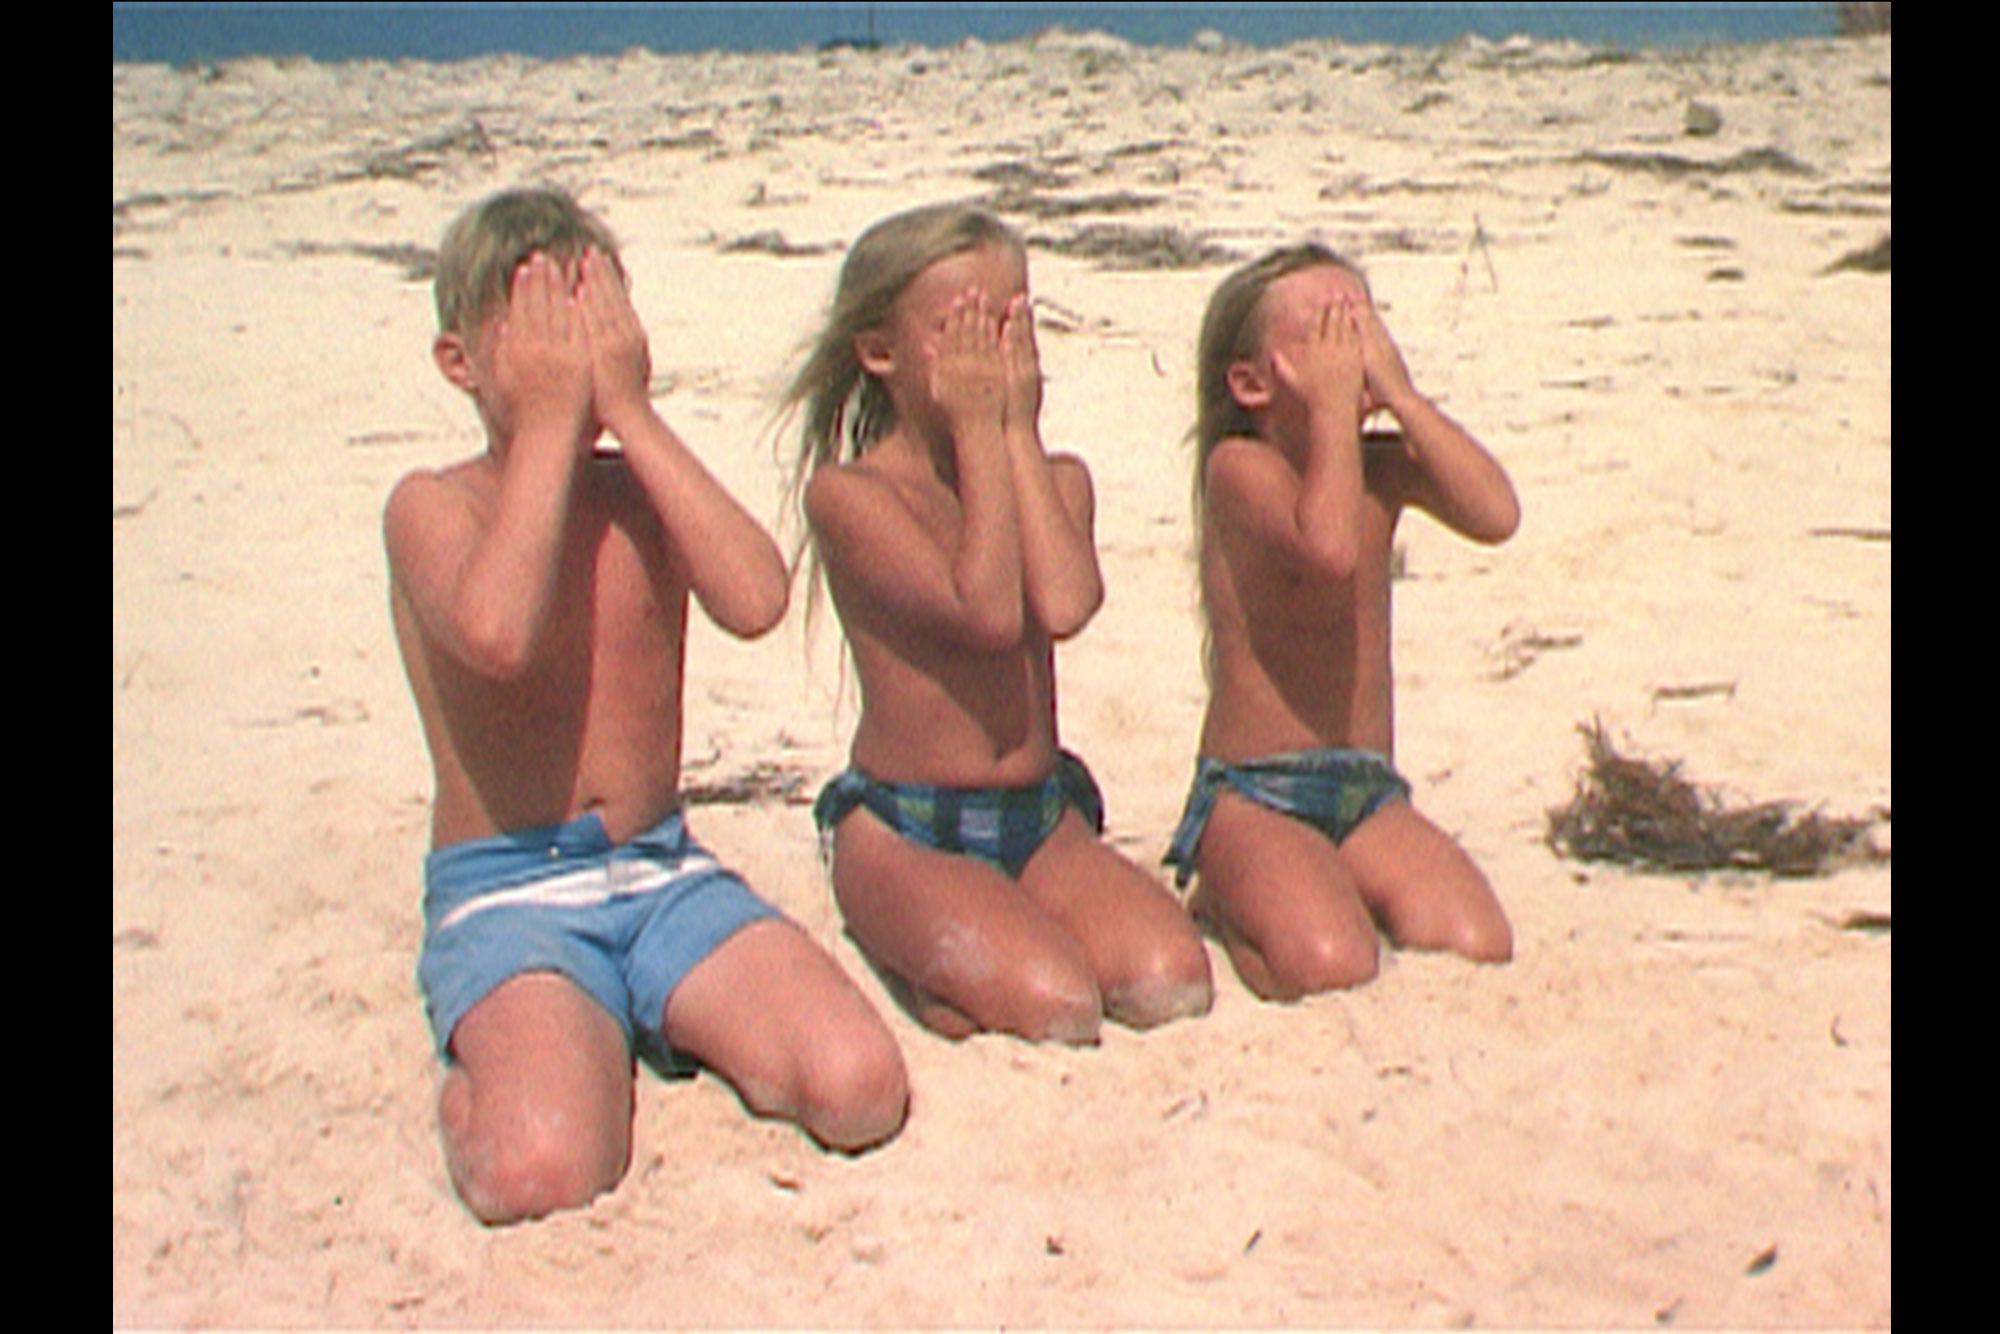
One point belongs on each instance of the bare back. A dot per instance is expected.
(1299, 662)
(593, 724)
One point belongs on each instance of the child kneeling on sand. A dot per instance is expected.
(965, 849)
(1300, 827)
(539, 593)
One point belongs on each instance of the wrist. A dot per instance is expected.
(1400, 401)
(626, 415)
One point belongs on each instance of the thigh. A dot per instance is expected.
(1285, 905)
(1144, 952)
(1422, 886)
(962, 933)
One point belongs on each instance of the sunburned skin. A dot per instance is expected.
(1298, 525)
(957, 552)
(540, 595)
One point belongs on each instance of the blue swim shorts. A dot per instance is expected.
(1001, 826)
(625, 922)
(1331, 790)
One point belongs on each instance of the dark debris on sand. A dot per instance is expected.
(1869, 259)
(1644, 814)
(763, 783)
(1115, 246)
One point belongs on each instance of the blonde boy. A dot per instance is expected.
(540, 593)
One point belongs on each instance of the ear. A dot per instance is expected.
(1249, 385)
(874, 351)
(454, 361)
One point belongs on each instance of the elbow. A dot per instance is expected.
(995, 626)
(495, 651)
(1065, 617)
(758, 612)
(1333, 557)
(1502, 524)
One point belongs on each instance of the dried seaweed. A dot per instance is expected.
(1674, 165)
(761, 784)
(774, 242)
(1645, 814)
(1116, 246)
(1869, 259)
(418, 263)
(1035, 204)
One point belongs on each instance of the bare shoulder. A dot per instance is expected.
(852, 499)
(427, 500)
(1242, 470)
(834, 489)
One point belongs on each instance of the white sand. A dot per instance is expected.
(1677, 1078)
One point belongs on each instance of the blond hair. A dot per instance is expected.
(487, 242)
(1232, 330)
(846, 409)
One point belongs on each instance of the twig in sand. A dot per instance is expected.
(1478, 243)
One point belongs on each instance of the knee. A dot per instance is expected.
(854, 1093)
(544, 1166)
(1307, 965)
(1051, 1000)
(1485, 941)
(1170, 982)
(1479, 932)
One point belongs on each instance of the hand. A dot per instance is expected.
(1022, 361)
(541, 356)
(621, 365)
(968, 374)
(1322, 365)
(1387, 379)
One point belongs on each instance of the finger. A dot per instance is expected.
(598, 293)
(538, 283)
(1021, 321)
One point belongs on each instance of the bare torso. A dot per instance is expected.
(1298, 663)
(593, 725)
(935, 710)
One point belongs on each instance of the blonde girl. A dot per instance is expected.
(964, 840)
(1301, 830)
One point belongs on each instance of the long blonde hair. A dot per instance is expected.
(1232, 331)
(845, 409)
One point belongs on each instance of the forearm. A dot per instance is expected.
(504, 597)
(986, 567)
(1470, 490)
(1058, 556)
(1328, 513)
(734, 568)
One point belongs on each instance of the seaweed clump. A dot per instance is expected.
(1645, 814)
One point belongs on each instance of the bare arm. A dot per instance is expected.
(1308, 511)
(1460, 483)
(968, 381)
(734, 568)
(1063, 583)
(485, 585)
(965, 590)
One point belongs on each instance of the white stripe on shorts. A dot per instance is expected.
(585, 888)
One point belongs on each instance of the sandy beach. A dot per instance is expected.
(1631, 275)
